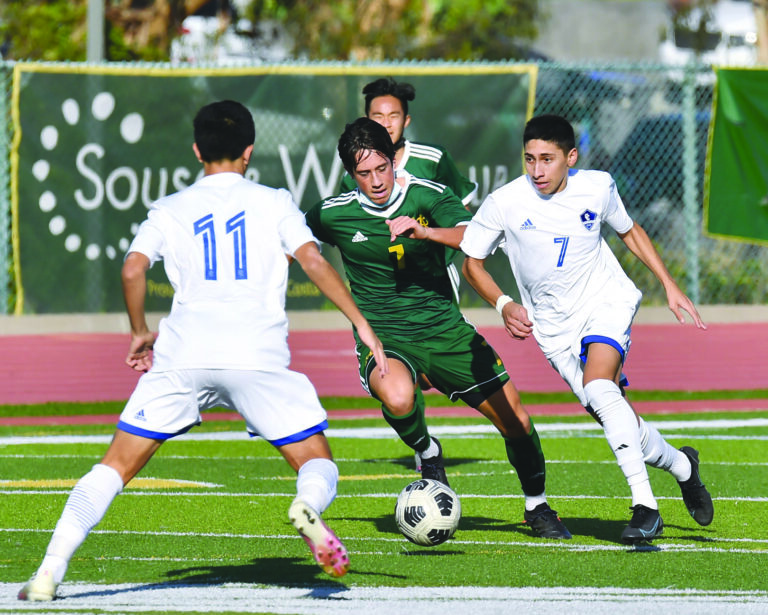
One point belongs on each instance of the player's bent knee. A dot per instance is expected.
(603, 396)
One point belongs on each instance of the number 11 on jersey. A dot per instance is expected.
(234, 226)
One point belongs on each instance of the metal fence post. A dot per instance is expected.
(691, 214)
(5, 185)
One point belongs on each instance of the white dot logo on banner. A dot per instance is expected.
(131, 129)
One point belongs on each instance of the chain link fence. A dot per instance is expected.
(646, 124)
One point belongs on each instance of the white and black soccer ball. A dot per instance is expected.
(427, 512)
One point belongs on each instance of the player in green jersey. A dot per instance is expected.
(392, 236)
(386, 102)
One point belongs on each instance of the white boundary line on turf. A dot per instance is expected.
(278, 458)
(337, 599)
(714, 542)
(386, 432)
(273, 494)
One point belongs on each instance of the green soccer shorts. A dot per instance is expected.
(458, 362)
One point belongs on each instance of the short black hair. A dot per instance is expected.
(223, 130)
(360, 135)
(404, 92)
(553, 128)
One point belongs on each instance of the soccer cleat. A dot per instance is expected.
(329, 552)
(545, 521)
(40, 588)
(433, 467)
(695, 495)
(644, 526)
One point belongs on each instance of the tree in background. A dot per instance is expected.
(321, 30)
(38, 30)
(403, 29)
(55, 30)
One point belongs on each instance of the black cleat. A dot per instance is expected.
(545, 521)
(645, 525)
(433, 467)
(695, 495)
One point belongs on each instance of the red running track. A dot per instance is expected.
(89, 367)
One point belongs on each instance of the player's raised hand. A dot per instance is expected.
(139, 353)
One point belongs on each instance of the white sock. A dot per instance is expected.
(86, 506)
(621, 431)
(532, 501)
(661, 454)
(431, 451)
(316, 483)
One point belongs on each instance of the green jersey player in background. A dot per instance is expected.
(386, 102)
(579, 304)
(392, 236)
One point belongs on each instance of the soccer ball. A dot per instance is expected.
(427, 512)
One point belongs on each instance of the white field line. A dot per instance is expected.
(399, 542)
(445, 430)
(286, 494)
(338, 599)
(278, 458)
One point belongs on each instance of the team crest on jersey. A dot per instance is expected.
(588, 219)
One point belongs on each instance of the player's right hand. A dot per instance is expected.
(516, 321)
(370, 339)
(140, 351)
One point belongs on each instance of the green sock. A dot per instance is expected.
(412, 428)
(527, 458)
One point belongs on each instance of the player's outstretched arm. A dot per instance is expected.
(327, 279)
(134, 278)
(409, 227)
(638, 242)
(514, 315)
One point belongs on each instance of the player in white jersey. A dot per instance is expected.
(223, 242)
(579, 303)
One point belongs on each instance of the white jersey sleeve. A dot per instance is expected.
(616, 215)
(485, 232)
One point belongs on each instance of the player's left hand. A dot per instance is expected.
(678, 301)
(140, 351)
(407, 227)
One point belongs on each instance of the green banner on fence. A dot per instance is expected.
(95, 146)
(736, 203)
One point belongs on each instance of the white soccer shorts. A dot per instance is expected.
(607, 323)
(280, 406)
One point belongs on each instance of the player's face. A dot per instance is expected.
(547, 165)
(375, 176)
(388, 111)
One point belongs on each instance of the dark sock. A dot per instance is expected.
(412, 428)
(527, 458)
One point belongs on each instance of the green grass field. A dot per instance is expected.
(204, 529)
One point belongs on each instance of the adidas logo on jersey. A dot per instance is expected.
(139, 416)
(358, 237)
(528, 226)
